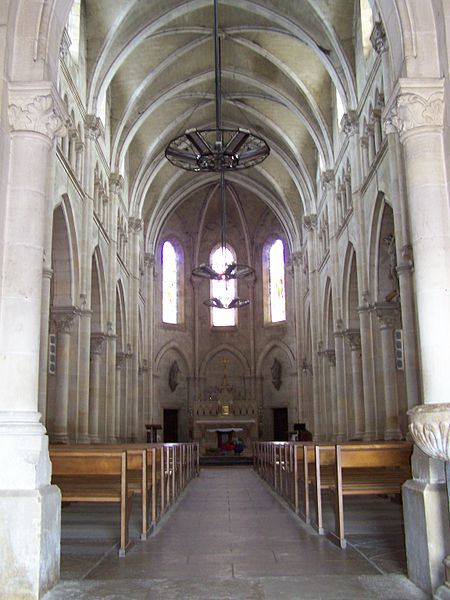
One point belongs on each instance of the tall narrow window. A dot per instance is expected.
(169, 284)
(366, 26)
(225, 291)
(277, 294)
(73, 27)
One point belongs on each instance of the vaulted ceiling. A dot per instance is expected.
(281, 63)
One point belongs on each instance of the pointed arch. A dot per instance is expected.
(98, 292)
(271, 346)
(65, 256)
(224, 348)
(121, 324)
(350, 289)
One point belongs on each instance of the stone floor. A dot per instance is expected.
(230, 538)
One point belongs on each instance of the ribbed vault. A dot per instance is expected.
(282, 63)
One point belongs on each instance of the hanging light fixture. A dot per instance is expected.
(230, 270)
(221, 148)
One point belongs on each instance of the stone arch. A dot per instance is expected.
(328, 318)
(172, 346)
(350, 289)
(65, 263)
(241, 358)
(98, 292)
(121, 324)
(278, 345)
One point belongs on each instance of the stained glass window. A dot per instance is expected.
(169, 284)
(277, 293)
(223, 290)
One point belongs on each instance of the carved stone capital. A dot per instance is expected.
(330, 354)
(353, 337)
(350, 123)
(387, 313)
(310, 222)
(116, 182)
(93, 126)
(135, 224)
(327, 179)
(63, 318)
(120, 359)
(415, 106)
(97, 343)
(38, 108)
(378, 38)
(429, 425)
(297, 259)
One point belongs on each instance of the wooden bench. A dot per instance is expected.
(355, 469)
(95, 476)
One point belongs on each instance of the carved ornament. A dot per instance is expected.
(353, 337)
(116, 182)
(310, 222)
(93, 126)
(350, 123)
(39, 110)
(415, 105)
(430, 429)
(378, 38)
(387, 313)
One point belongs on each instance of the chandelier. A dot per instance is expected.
(220, 148)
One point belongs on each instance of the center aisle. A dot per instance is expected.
(230, 538)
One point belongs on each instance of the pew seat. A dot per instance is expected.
(95, 476)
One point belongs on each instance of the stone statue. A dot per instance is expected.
(173, 375)
(276, 373)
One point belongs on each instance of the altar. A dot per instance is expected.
(224, 415)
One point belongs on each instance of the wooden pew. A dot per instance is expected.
(360, 469)
(303, 462)
(143, 473)
(95, 476)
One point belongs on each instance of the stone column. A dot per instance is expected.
(364, 311)
(135, 229)
(310, 224)
(330, 354)
(387, 313)
(83, 379)
(29, 505)
(92, 130)
(97, 343)
(416, 112)
(120, 361)
(43, 356)
(115, 188)
(299, 336)
(63, 318)
(353, 338)
(341, 404)
(111, 433)
(149, 263)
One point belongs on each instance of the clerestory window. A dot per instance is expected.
(274, 282)
(170, 284)
(225, 291)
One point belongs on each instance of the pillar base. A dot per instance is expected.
(30, 531)
(59, 438)
(393, 435)
(84, 439)
(368, 436)
(427, 531)
(442, 593)
(94, 439)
